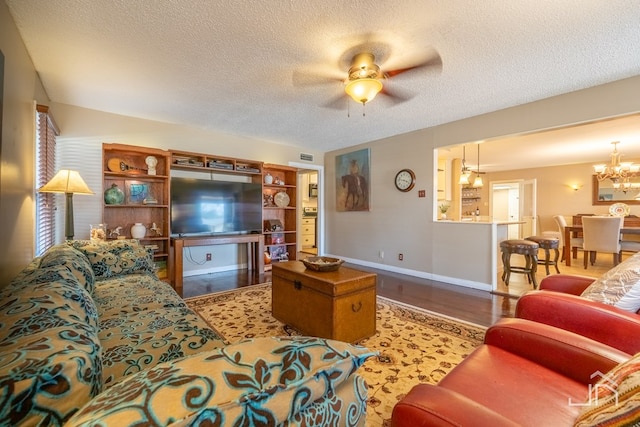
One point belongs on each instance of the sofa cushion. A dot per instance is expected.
(615, 399)
(116, 257)
(140, 340)
(75, 262)
(619, 286)
(34, 308)
(264, 381)
(134, 293)
(48, 375)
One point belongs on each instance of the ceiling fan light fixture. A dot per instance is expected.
(363, 90)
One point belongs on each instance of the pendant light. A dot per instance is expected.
(477, 183)
(466, 172)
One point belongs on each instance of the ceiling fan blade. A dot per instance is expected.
(431, 61)
(316, 78)
(395, 96)
(337, 103)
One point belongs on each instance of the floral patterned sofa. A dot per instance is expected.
(90, 336)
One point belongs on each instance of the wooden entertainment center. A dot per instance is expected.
(278, 183)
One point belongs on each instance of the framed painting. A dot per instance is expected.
(353, 176)
(136, 192)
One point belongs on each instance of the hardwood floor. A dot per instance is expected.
(471, 305)
(479, 307)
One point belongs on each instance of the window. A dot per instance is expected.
(45, 170)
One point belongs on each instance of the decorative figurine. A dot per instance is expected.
(115, 233)
(151, 162)
(156, 229)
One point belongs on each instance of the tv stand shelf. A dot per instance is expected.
(198, 162)
(254, 242)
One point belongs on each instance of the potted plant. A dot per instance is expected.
(443, 210)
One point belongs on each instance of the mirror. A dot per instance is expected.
(604, 193)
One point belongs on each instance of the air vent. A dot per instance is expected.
(306, 157)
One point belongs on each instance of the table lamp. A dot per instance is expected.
(68, 182)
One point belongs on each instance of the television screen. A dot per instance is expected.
(205, 207)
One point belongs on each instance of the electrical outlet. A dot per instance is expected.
(208, 257)
(400, 257)
(381, 254)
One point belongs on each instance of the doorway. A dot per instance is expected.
(310, 217)
(514, 201)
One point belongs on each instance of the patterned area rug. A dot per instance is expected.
(415, 345)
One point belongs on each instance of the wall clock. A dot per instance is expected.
(405, 180)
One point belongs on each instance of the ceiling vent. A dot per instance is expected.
(306, 157)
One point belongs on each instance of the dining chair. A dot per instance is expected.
(575, 243)
(601, 234)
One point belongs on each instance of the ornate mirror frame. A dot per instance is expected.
(603, 193)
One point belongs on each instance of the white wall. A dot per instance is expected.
(22, 88)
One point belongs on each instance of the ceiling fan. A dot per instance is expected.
(365, 78)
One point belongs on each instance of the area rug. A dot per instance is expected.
(415, 345)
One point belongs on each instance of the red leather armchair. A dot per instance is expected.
(525, 373)
(558, 304)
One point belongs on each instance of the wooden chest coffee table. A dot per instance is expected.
(339, 305)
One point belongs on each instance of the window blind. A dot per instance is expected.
(45, 170)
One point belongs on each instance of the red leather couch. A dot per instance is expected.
(558, 303)
(525, 373)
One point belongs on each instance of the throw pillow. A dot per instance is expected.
(263, 381)
(116, 257)
(619, 286)
(615, 399)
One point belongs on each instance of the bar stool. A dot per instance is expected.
(547, 243)
(521, 247)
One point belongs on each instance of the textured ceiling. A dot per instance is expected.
(242, 67)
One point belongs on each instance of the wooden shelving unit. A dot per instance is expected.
(146, 197)
(280, 242)
(197, 162)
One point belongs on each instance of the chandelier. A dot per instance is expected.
(618, 172)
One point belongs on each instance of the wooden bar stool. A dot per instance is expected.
(520, 247)
(548, 243)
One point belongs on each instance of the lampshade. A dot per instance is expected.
(66, 181)
(465, 174)
(363, 90)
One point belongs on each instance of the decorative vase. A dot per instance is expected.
(138, 231)
(443, 215)
(114, 195)
(268, 179)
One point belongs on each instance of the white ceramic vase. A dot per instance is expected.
(268, 179)
(138, 231)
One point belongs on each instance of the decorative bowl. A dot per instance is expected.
(322, 263)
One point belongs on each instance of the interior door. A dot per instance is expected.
(514, 201)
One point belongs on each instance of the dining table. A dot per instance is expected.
(577, 229)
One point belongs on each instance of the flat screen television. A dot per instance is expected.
(204, 207)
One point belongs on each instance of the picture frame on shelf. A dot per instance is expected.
(279, 253)
(136, 192)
